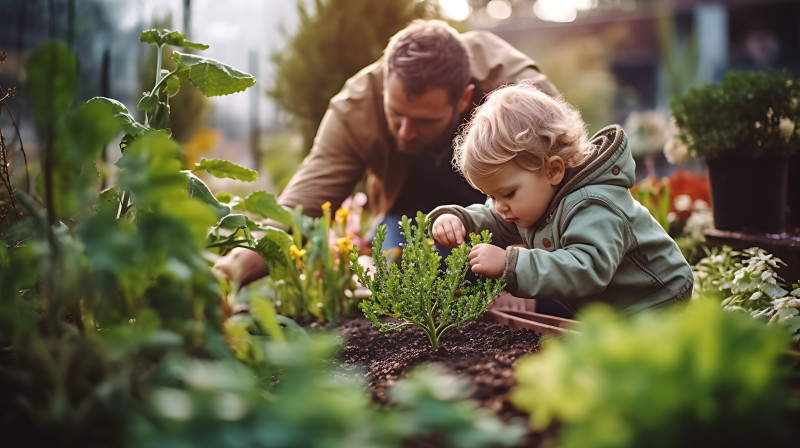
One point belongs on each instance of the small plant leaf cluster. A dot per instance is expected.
(416, 292)
(310, 276)
(686, 376)
(748, 282)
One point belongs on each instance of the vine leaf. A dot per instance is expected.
(225, 169)
(212, 77)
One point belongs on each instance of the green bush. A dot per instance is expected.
(694, 376)
(747, 115)
(416, 292)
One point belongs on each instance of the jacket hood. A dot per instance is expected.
(612, 164)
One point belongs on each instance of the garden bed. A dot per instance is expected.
(483, 352)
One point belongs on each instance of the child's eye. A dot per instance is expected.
(509, 195)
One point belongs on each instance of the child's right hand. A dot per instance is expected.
(449, 230)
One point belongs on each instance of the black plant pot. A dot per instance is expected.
(749, 195)
(793, 195)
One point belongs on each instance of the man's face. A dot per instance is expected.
(426, 122)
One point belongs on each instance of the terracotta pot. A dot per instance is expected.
(518, 314)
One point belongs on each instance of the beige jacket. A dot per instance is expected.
(353, 137)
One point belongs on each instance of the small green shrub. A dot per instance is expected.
(310, 276)
(748, 282)
(747, 115)
(416, 292)
(693, 376)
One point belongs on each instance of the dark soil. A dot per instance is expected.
(483, 352)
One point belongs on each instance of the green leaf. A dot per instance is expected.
(266, 205)
(52, 80)
(167, 37)
(79, 139)
(148, 102)
(274, 249)
(265, 313)
(212, 77)
(173, 84)
(198, 189)
(225, 169)
(121, 114)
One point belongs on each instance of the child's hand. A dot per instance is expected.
(449, 230)
(488, 260)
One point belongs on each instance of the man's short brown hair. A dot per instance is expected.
(428, 54)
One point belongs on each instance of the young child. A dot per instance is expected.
(564, 224)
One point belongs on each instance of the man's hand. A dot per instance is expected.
(448, 230)
(241, 266)
(488, 260)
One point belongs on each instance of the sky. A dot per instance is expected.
(241, 33)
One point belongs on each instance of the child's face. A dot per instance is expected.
(519, 195)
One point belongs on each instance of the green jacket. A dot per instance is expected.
(595, 242)
(353, 138)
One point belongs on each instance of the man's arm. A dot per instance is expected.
(329, 172)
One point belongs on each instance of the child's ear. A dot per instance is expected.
(556, 170)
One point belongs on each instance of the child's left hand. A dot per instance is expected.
(488, 260)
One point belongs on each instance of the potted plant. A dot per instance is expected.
(745, 128)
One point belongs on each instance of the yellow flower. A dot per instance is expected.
(344, 244)
(341, 215)
(326, 206)
(296, 254)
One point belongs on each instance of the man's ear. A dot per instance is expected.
(555, 170)
(466, 99)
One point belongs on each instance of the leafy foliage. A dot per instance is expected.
(310, 276)
(416, 292)
(747, 115)
(748, 282)
(687, 376)
(112, 331)
(335, 39)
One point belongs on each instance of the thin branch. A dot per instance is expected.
(21, 148)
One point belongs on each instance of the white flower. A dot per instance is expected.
(786, 126)
(683, 202)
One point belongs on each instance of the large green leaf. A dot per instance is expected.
(213, 78)
(225, 169)
(121, 114)
(198, 189)
(52, 80)
(80, 138)
(266, 205)
(274, 249)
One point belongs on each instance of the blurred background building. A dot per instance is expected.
(617, 60)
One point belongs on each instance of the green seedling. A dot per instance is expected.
(416, 292)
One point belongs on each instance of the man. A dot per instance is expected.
(394, 121)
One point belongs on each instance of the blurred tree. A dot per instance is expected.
(334, 39)
(581, 69)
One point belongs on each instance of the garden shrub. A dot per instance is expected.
(694, 376)
(416, 292)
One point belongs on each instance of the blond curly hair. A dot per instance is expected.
(520, 123)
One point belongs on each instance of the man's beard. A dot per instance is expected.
(442, 144)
